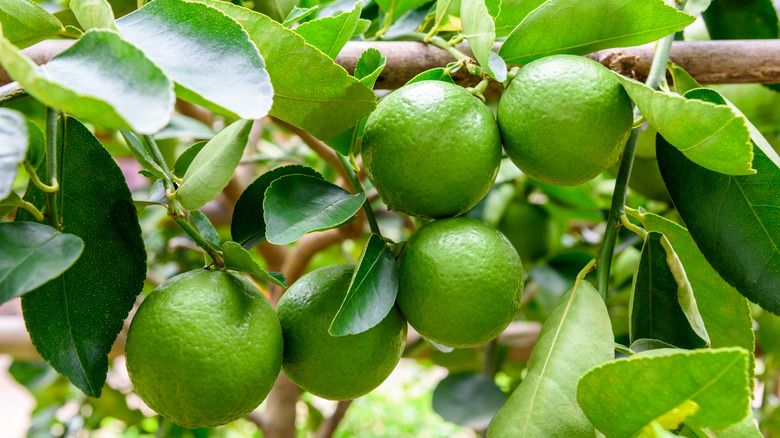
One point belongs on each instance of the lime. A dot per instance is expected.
(564, 119)
(334, 367)
(530, 229)
(431, 149)
(460, 282)
(204, 348)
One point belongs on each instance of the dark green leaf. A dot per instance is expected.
(25, 22)
(208, 55)
(330, 34)
(297, 14)
(36, 149)
(204, 225)
(706, 388)
(661, 308)
(93, 14)
(247, 225)
(33, 254)
(185, 159)
(9, 204)
(276, 9)
(211, 169)
(74, 319)
(14, 140)
(239, 259)
(140, 153)
(434, 74)
(579, 27)
(720, 141)
(295, 205)
(372, 290)
(512, 13)
(183, 126)
(480, 32)
(324, 104)
(468, 399)
(580, 328)
(101, 78)
(741, 20)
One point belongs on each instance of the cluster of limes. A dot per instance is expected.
(206, 346)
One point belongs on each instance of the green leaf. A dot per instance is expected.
(480, 32)
(468, 399)
(644, 344)
(247, 225)
(330, 34)
(683, 82)
(36, 149)
(14, 140)
(372, 290)
(755, 135)
(208, 55)
(142, 155)
(277, 10)
(93, 14)
(326, 103)
(720, 142)
(725, 312)
(297, 14)
(711, 386)
(101, 78)
(512, 13)
(741, 20)
(295, 205)
(9, 204)
(185, 159)
(661, 307)
(580, 27)
(696, 7)
(239, 259)
(73, 320)
(434, 74)
(442, 7)
(212, 168)
(33, 255)
(204, 225)
(183, 126)
(580, 328)
(395, 8)
(745, 429)
(25, 22)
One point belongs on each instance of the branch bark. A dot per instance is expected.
(330, 425)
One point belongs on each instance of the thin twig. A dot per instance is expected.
(329, 426)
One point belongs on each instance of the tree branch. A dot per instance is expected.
(330, 425)
(320, 148)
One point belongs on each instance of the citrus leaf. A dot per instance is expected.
(683, 82)
(25, 22)
(93, 14)
(372, 290)
(14, 140)
(713, 383)
(9, 204)
(239, 259)
(741, 20)
(100, 78)
(512, 13)
(297, 14)
(33, 254)
(442, 7)
(36, 148)
(183, 126)
(142, 155)
(579, 326)
(74, 319)
(725, 312)
(207, 54)
(661, 308)
(326, 103)
(468, 399)
(721, 140)
(247, 225)
(295, 205)
(330, 34)
(480, 32)
(641, 345)
(276, 9)
(212, 168)
(396, 8)
(580, 27)
(185, 159)
(204, 225)
(434, 74)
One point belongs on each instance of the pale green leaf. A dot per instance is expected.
(25, 22)
(13, 147)
(512, 13)
(240, 259)
(93, 14)
(480, 32)
(330, 34)
(297, 14)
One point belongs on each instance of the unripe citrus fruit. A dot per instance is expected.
(204, 348)
(530, 229)
(431, 149)
(334, 367)
(564, 119)
(460, 282)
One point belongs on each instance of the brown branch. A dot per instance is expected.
(320, 148)
(330, 425)
(279, 415)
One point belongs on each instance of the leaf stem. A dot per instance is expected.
(441, 43)
(37, 181)
(30, 208)
(154, 151)
(359, 189)
(617, 209)
(199, 240)
(54, 138)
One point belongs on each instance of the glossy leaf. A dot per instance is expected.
(662, 304)
(696, 7)
(512, 13)
(326, 103)
(239, 259)
(36, 145)
(645, 344)
(25, 22)
(32, 255)
(204, 225)
(140, 153)
(14, 141)
(276, 9)
(396, 8)
(93, 14)
(247, 225)
(578, 327)
(74, 319)
(297, 14)
(721, 140)
(440, 16)
(434, 74)
(580, 27)
(468, 399)
(330, 34)
(211, 170)
(741, 20)
(683, 82)
(185, 159)
(295, 205)
(371, 292)
(711, 386)
(480, 32)
(208, 55)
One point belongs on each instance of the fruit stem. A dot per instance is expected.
(358, 187)
(54, 138)
(618, 208)
(441, 43)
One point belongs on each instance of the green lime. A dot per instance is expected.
(431, 149)
(334, 367)
(564, 119)
(204, 348)
(460, 282)
(530, 229)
